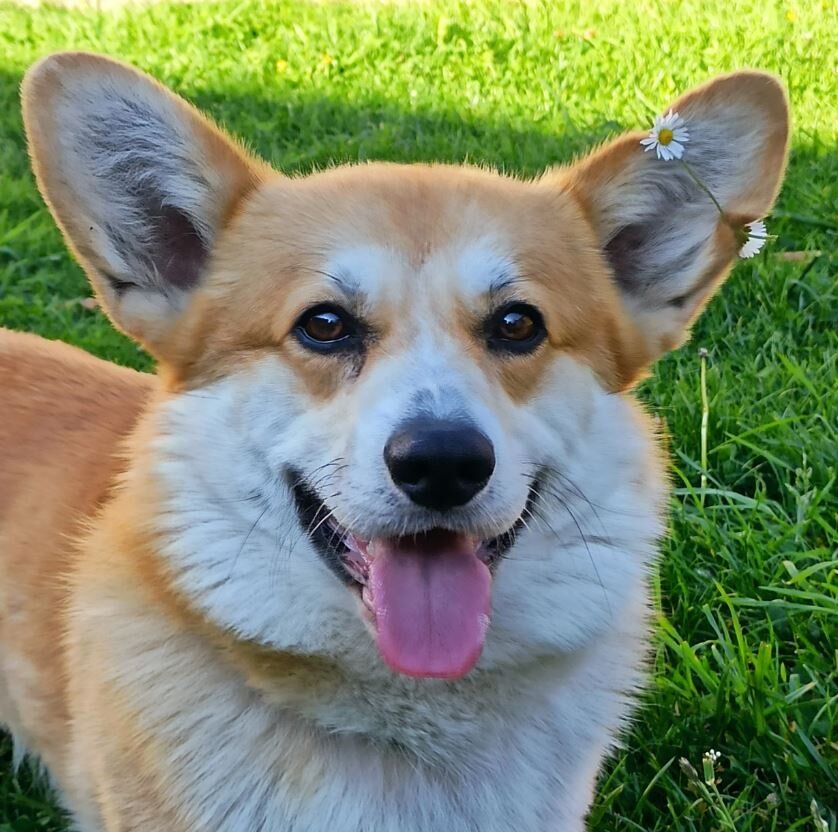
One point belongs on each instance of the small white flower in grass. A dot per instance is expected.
(757, 235)
(708, 764)
(667, 137)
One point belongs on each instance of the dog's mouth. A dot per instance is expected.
(427, 595)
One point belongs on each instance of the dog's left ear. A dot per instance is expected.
(665, 239)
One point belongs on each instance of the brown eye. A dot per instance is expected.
(324, 326)
(516, 328)
(328, 328)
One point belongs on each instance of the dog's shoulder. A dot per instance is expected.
(49, 385)
(64, 413)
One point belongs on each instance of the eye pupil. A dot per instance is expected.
(325, 326)
(518, 329)
(516, 326)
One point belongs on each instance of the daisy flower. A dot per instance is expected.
(667, 137)
(757, 235)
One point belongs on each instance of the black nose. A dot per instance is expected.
(439, 464)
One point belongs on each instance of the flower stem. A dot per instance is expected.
(705, 418)
(704, 188)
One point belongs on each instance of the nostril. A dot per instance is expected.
(476, 470)
(409, 470)
(477, 460)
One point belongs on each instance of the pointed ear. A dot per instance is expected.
(662, 235)
(139, 182)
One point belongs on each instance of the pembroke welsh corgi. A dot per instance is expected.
(371, 551)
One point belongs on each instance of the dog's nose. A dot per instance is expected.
(439, 464)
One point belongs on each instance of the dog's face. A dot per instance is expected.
(416, 394)
(396, 426)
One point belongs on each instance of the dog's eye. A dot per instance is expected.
(327, 327)
(516, 328)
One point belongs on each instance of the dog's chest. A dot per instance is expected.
(229, 761)
(306, 785)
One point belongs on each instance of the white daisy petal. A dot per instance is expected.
(758, 228)
(667, 137)
(750, 249)
(757, 236)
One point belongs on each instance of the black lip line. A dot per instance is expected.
(313, 514)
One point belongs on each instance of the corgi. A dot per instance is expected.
(370, 551)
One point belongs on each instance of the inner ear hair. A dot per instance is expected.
(140, 183)
(670, 229)
(147, 191)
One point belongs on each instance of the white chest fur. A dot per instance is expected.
(495, 754)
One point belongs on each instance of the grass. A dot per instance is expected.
(745, 652)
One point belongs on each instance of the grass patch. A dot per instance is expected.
(745, 659)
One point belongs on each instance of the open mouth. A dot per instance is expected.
(427, 595)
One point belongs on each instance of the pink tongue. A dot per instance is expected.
(431, 603)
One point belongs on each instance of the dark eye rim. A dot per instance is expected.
(350, 341)
(507, 345)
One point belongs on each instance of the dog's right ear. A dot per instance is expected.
(139, 182)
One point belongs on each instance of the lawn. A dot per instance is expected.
(745, 658)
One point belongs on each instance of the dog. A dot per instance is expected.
(370, 551)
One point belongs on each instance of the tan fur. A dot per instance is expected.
(584, 317)
(67, 417)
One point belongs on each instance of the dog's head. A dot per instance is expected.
(395, 409)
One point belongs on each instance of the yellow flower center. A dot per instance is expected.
(665, 136)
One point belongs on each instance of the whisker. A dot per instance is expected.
(560, 499)
(578, 491)
(555, 471)
(244, 542)
(567, 508)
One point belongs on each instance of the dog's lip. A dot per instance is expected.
(346, 553)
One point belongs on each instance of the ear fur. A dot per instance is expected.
(139, 182)
(662, 235)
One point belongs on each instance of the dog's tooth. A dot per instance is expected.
(351, 542)
(366, 597)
